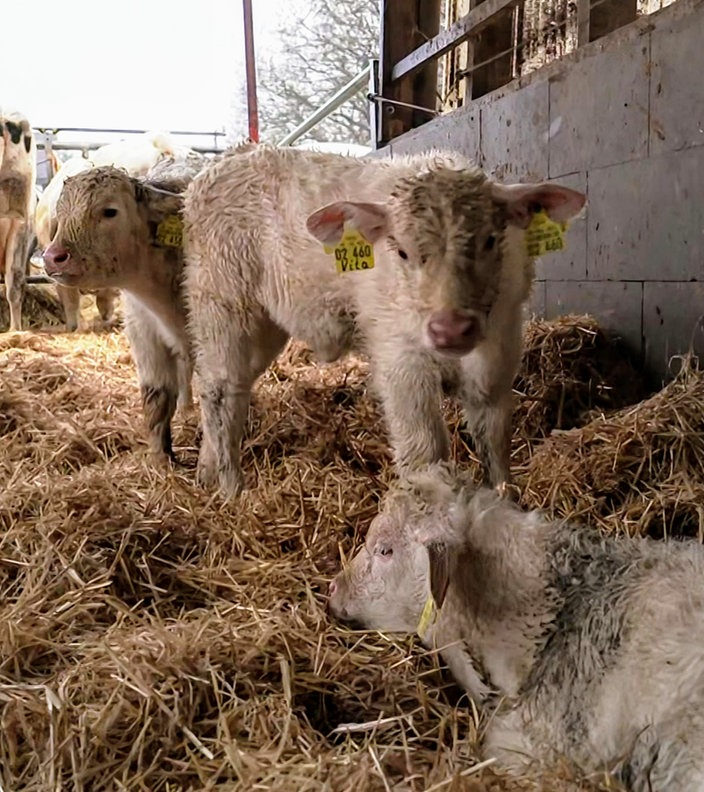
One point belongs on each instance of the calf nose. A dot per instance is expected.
(55, 258)
(453, 331)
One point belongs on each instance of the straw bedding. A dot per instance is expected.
(153, 639)
(41, 308)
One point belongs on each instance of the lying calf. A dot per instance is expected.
(595, 644)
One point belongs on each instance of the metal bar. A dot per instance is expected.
(251, 69)
(374, 116)
(346, 92)
(378, 98)
(464, 28)
(56, 130)
(75, 146)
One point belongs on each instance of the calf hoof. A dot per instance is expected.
(163, 459)
(206, 474)
(185, 410)
(231, 484)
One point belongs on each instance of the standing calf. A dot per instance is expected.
(17, 198)
(442, 303)
(116, 231)
(597, 644)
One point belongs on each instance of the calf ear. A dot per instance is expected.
(524, 200)
(328, 223)
(439, 558)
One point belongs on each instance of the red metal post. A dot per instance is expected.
(251, 68)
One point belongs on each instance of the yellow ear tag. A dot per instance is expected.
(544, 235)
(353, 252)
(169, 232)
(427, 617)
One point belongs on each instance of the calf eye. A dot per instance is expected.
(402, 254)
(109, 212)
(385, 551)
(490, 242)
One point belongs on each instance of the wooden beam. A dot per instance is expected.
(466, 26)
(404, 26)
(496, 68)
(583, 9)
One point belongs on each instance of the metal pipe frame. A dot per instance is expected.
(333, 103)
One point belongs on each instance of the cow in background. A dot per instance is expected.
(17, 201)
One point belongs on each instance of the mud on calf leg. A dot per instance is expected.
(489, 423)
(15, 274)
(411, 397)
(159, 405)
(224, 409)
(15, 298)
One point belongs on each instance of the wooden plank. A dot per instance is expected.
(496, 68)
(465, 27)
(609, 15)
(583, 9)
(397, 23)
(405, 25)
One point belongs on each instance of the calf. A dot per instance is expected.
(17, 198)
(116, 231)
(595, 643)
(440, 300)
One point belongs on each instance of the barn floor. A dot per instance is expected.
(152, 639)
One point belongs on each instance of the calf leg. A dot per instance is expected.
(410, 391)
(105, 303)
(184, 372)
(15, 272)
(230, 358)
(70, 298)
(489, 422)
(158, 380)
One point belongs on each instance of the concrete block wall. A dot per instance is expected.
(623, 120)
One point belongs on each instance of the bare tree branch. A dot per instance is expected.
(325, 47)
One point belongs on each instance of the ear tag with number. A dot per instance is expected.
(544, 235)
(353, 252)
(427, 617)
(169, 232)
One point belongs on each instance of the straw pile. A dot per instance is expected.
(571, 368)
(153, 639)
(636, 471)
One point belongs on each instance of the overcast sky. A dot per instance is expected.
(137, 64)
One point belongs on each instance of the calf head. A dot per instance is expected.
(406, 555)
(106, 222)
(449, 233)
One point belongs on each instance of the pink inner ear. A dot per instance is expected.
(523, 200)
(560, 203)
(327, 224)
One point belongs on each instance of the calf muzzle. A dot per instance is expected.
(58, 261)
(454, 332)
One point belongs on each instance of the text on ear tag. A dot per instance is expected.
(169, 232)
(544, 235)
(352, 253)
